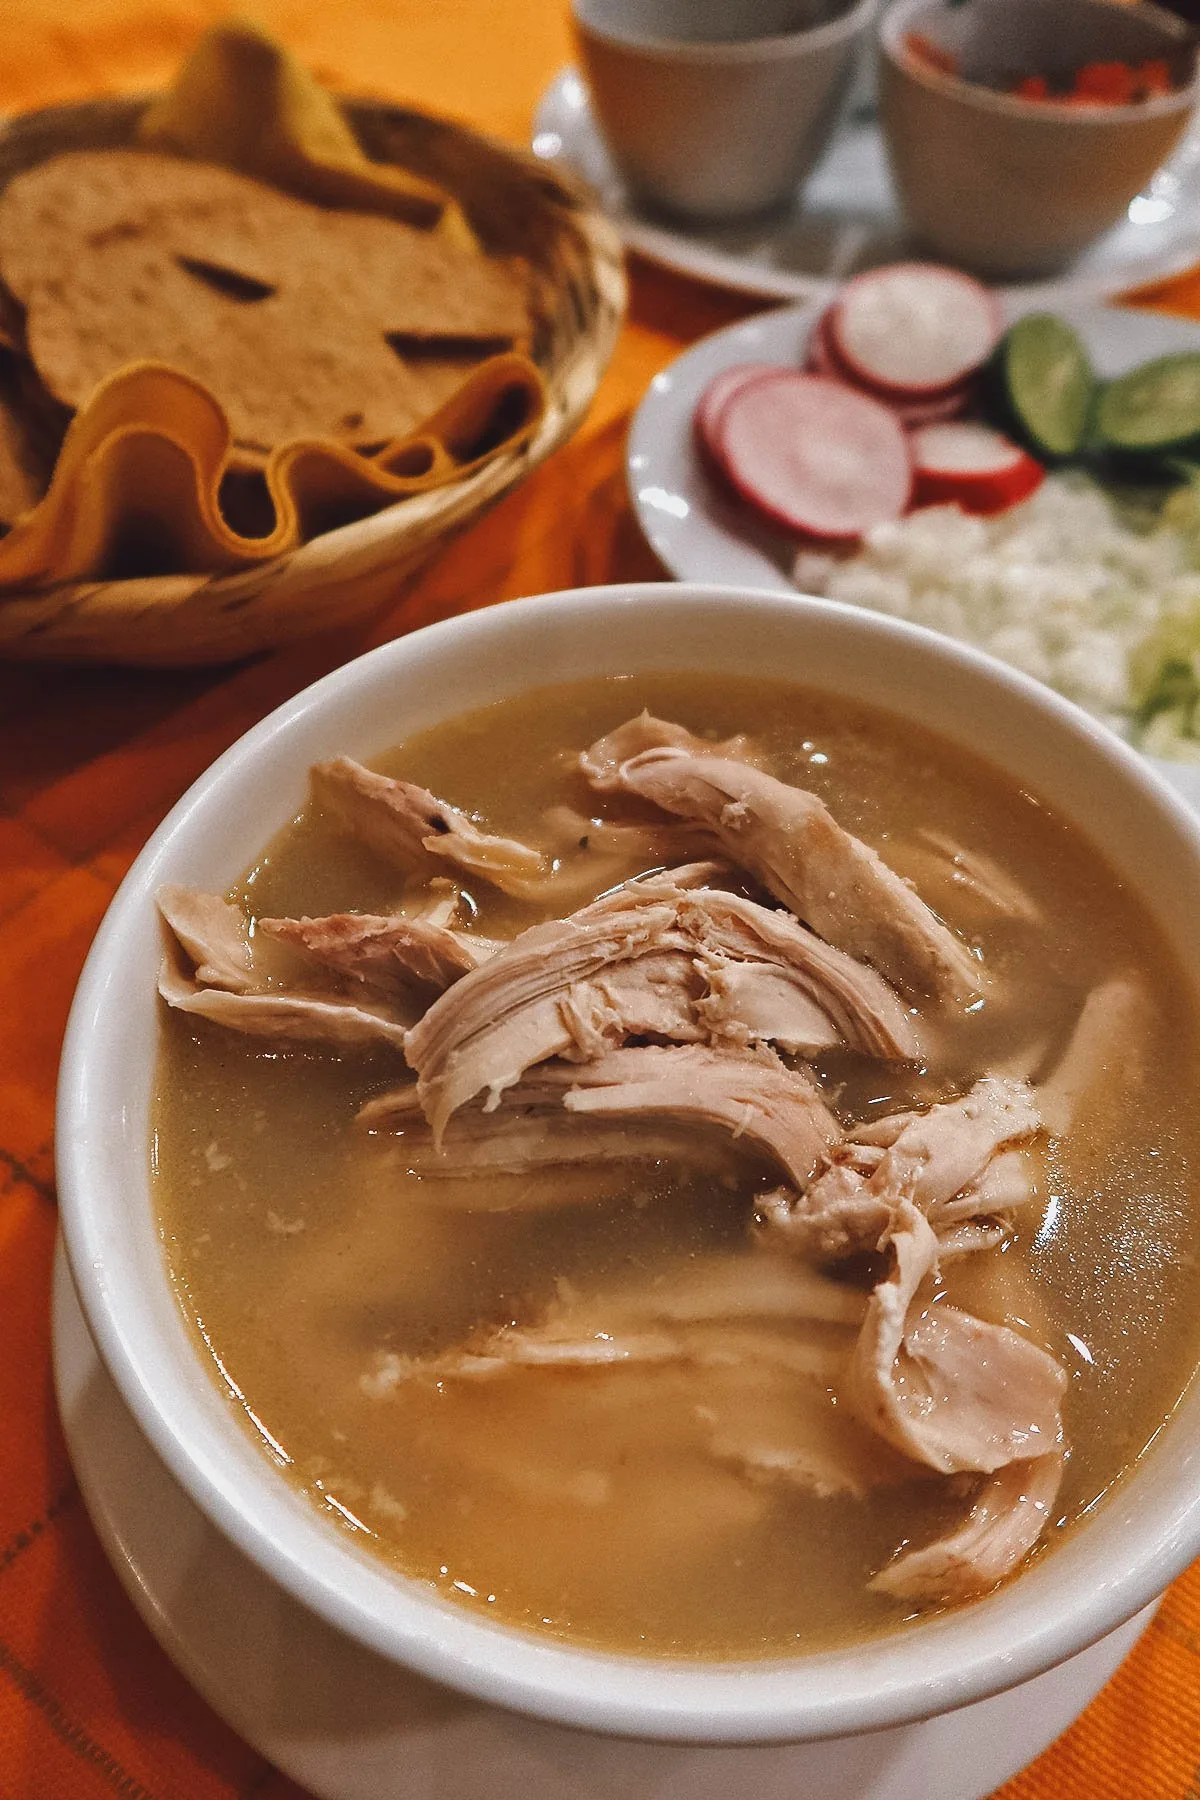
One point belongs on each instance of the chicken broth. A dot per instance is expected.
(701, 1477)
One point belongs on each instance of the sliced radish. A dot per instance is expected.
(822, 359)
(819, 358)
(814, 456)
(914, 329)
(719, 390)
(980, 469)
(950, 405)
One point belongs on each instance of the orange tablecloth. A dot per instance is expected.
(89, 763)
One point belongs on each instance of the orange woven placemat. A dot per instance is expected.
(89, 763)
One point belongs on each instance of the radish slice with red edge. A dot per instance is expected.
(978, 468)
(722, 388)
(822, 359)
(815, 457)
(818, 356)
(916, 413)
(914, 330)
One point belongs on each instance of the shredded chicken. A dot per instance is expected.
(1110, 1021)
(648, 1026)
(624, 1438)
(944, 1388)
(200, 975)
(735, 935)
(532, 1131)
(1012, 1182)
(1010, 1511)
(966, 883)
(734, 1289)
(213, 933)
(768, 978)
(969, 1239)
(788, 839)
(775, 1110)
(602, 851)
(602, 763)
(394, 957)
(407, 825)
(785, 1432)
(755, 1003)
(437, 902)
(631, 1104)
(769, 1336)
(938, 1160)
(538, 998)
(708, 1314)
(655, 960)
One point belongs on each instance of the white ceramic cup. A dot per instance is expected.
(1008, 187)
(1109, 1567)
(718, 109)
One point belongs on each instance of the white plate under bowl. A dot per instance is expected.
(848, 218)
(701, 533)
(349, 1725)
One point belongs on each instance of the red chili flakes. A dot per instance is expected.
(928, 55)
(1155, 77)
(1101, 84)
(1095, 84)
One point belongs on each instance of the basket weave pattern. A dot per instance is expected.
(518, 208)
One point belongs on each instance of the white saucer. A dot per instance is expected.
(849, 219)
(350, 1726)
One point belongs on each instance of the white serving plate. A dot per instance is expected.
(848, 218)
(701, 533)
(349, 1725)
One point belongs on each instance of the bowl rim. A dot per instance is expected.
(621, 1695)
(732, 52)
(895, 22)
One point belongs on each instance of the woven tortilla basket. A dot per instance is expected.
(518, 207)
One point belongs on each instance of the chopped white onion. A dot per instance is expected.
(1057, 586)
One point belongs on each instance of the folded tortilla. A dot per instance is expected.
(139, 478)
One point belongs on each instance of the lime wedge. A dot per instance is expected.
(1049, 383)
(1155, 408)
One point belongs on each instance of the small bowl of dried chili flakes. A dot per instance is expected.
(1020, 130)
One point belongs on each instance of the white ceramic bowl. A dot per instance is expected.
(1012, 187)
(1107, 1570)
